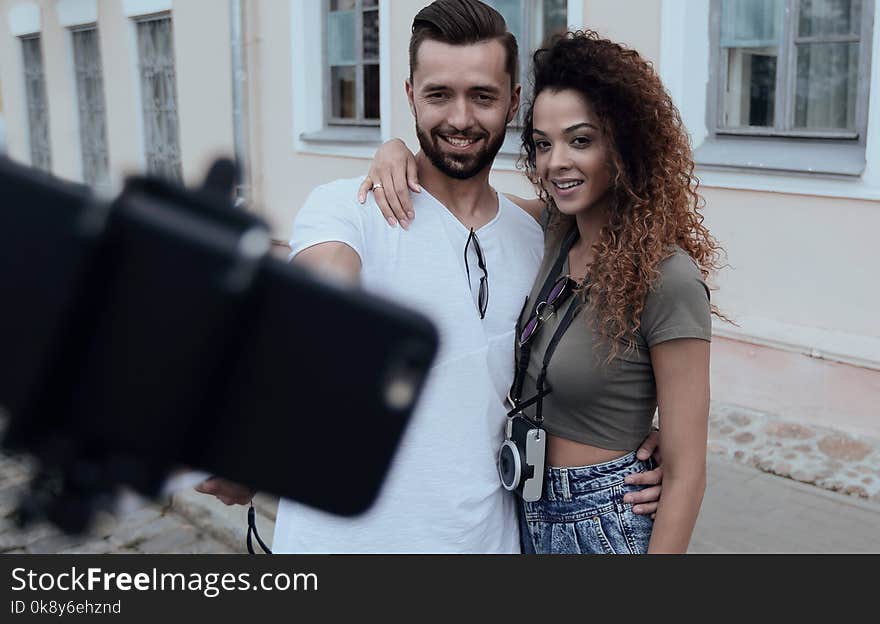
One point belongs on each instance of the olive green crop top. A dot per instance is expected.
(611, 406)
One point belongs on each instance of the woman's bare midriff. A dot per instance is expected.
(563, 453)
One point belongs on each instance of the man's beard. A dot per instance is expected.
(459, 166)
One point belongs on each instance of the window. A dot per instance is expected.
(37, 104)
(532, 22)
(352, 53)
(92, 111)
(159, 96)
(791, 69)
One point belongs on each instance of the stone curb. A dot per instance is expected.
(819, 456)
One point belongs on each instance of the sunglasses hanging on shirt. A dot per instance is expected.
(483, 295)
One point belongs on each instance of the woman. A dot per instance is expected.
(618, 322)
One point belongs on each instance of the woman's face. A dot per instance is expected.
(572, 154)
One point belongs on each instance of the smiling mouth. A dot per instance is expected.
(566, 186)
(459, 142)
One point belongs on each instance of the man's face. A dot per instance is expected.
(462, 101)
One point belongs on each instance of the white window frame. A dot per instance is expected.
(785, 82)
(830, 153)
(685, 59)
(312, 134)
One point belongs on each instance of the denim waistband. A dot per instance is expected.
(564, 482)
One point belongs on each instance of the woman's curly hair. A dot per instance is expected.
(654, 201)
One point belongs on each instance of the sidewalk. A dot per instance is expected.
(747, 511)
(145, 528)
(774, 487)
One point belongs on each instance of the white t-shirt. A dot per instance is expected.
(442, 494)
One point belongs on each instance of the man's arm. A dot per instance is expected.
(334, 260)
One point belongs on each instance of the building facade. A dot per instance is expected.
(781, 97)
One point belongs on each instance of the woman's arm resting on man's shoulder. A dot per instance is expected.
(681, 368)
(393, 174)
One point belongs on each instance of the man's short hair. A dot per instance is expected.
(463, 22)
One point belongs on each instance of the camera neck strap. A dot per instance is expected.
(564, 324)
(525, 350)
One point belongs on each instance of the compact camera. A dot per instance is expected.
(521, 458)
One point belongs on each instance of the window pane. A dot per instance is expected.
(92, 115)
(827, 85)
(512, 10)
(555, 18)
(750, 98)
(343, 85)
(830, 17)
(37, 103)
(751, 31)
(751, 23)
(159, 97)
(342, 5)
(371, 35)
(371, 92)
(342, 38)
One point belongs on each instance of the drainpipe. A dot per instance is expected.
(237, 15)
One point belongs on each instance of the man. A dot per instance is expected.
(467, 262)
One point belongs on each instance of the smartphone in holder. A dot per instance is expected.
(321, 388)
(171, 338)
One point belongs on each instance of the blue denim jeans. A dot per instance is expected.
(582, 511)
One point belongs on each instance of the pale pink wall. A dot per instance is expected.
(798, 259)
(635, 24)
(203, 58)
(119, 59)
(796, 387)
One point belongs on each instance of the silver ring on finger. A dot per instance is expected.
(377, 186)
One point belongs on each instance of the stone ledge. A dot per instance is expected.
(819, 456)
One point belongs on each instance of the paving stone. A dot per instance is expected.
(843, 448)
(91, 547)
(739, 419)
(131, 534)
(11, 537)
(54, 543)
(789, 430)
(169, 542)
